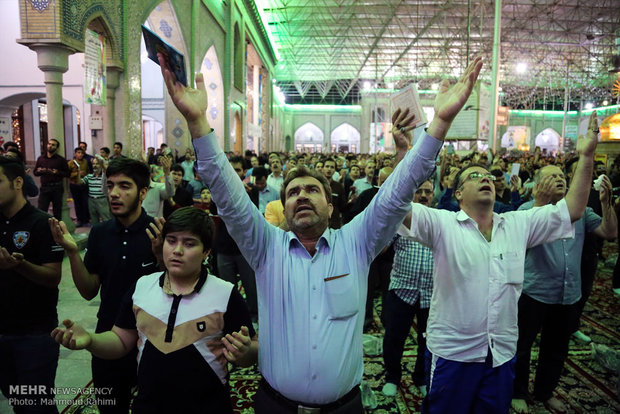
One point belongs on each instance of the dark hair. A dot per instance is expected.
(177, 168)
(12, 168)
(14, 150)
(194, 220)
(77, 149)
(457, 179)
(259, 172)
(248, 153)
(326, 160)
(82, 142)
(237, 159)
(569, 163)
(303, 171)
(497, 172)
(106, 150)
(54, 139)
(138, 171)
(10, 144)
(120, 144)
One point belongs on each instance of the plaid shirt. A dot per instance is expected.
(412, 272)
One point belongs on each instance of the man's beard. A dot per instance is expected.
(134, 206)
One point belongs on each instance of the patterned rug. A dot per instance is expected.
(585, 387)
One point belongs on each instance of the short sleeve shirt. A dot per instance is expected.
(119, 256)
(27, 307)
(179, 344)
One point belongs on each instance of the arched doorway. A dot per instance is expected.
(23, 119)
(345, 138)
(152, 132)
(548, 140)
(309, 138)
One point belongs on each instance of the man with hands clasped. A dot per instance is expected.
(186, 323)
(312, 280)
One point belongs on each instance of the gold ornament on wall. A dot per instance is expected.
(615, 90)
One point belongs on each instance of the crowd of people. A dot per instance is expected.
(483, 257)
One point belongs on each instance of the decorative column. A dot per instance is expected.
(53, 60)
(109, 129)
(497, 34)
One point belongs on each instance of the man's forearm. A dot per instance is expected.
(169, 189)
(48, 276)
(609, 225)
(438, 129)
(199, 127)
(577, 196)
(86, 284)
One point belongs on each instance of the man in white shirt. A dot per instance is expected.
(478, 276)
(276, 178)
(312, 280)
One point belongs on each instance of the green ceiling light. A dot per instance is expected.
(322, 108)
(260, 6)
(540, 113)
(609, 108)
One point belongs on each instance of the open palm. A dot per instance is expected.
(192, 103)
(450, 100)
(586, 145)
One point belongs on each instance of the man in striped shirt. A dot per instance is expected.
(98, 206)
(409, 295)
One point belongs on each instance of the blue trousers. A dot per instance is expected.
(27, 372)
(468, 387)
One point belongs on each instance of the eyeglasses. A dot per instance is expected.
(479, 176)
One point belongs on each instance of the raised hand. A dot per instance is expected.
(62, 236)
(192, 103)
(586, 145)
(237, 344)
(515, 183)
(543, 191)
(402, 125)
(157, 242)
(606, 191)
(166, 163)
(452, 177)
(72, 336)
(450, 100)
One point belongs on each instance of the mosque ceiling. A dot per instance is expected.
(328, 50)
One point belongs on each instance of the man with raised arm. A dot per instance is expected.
(312, 280)
(479, 260)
